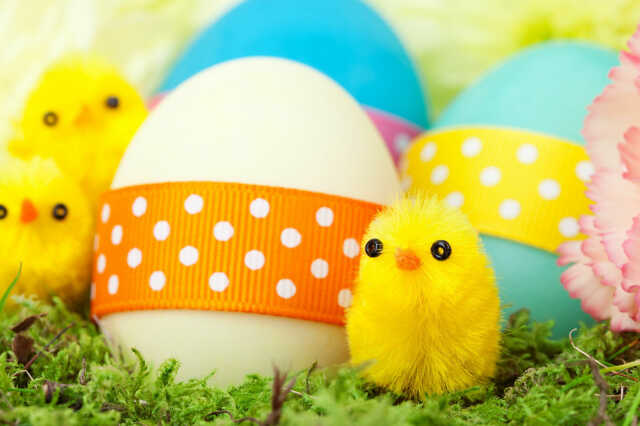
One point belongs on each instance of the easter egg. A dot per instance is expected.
(345, 39)
(509, 152)
(229, 238)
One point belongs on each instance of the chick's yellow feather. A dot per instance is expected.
(46, 223)
(421, 322)
(82, 113)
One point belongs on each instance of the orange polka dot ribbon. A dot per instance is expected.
(228, 247)
(514, 184)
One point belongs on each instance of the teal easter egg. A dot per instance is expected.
(514, 156)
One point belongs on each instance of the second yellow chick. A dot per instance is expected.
(426, 311)
(82, 114)
(46, 224)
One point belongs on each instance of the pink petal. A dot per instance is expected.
(631, 247)
(617, 202)
(630, 154)
(570, 252)
(608, 273)
(614, 111)
(582, 284)
(593, 249)
(612, 243)
(623, 322)
(625, 301)
(588, 225)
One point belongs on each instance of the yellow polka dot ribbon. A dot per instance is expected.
(514, 184)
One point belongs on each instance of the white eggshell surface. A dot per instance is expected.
(262, 121)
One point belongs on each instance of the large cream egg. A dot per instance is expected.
(261, 121)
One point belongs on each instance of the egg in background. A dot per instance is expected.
(345, 39)
(263, 121)
(546, 90)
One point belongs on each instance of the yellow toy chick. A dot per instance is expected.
(82, 114)
(425, 311)
(46, 223)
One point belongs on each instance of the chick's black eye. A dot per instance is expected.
(441, 250)
(112, 102)
(60, 211)
(373, 248)
(50, 118)
(3, 212)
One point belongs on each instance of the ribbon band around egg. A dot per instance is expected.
(513, 184)
(228, 247)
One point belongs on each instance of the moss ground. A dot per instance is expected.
(55, 369)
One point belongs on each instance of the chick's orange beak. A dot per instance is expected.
(83, 117)
(29, 212)
(407, 260)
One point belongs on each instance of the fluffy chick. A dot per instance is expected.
(425, 313)
(82, 113)
(46, 223)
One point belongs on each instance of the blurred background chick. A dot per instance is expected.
(82, 114)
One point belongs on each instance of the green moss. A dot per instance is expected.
(78, 381)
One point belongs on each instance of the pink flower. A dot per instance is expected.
(605, 268)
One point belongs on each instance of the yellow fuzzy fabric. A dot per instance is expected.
(55, 253)
(68, 118)
(433, 329)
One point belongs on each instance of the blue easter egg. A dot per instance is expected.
(546, 89)
(345, 39)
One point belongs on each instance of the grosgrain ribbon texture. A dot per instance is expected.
(228, 247)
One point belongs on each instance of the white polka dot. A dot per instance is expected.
(96, 242)
(351, 248)
(471, 147)
(193, 204)
(455, 199)
(324, 216)
(101, 264)
(549, 189)
(509, 209)
(585, 170)
(490, 176)
(569, 227)
(116, 235)
(223, 231)
(139, 206)
(161, 230)
(112, 284)
(106, 212)
(320, 268)
(92, 291)
(254, 260)
(134, 258)
(406, 183)
(428, 151)
(188, 255)
(286, 288)
(157, 280)
(290, 237)
(218, 281)
(345, 298)
(259, 208)
(527, 153)
(401, 142)
(439, 174)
